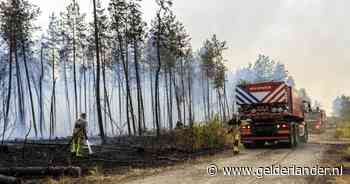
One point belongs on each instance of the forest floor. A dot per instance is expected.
(152, 161)
(124, 157)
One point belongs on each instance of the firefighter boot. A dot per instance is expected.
(73, 146)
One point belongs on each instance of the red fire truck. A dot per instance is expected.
(316, 120)
(272, 112)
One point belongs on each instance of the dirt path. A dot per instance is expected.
(308, 155)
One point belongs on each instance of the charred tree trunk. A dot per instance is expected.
(66, 88)
(41, 101)
(98, 73)
(226, 102)
(152, 99)
(157, 103)
(204, 98)
(168, 99)
(126, 81)
(29, 89)
(128, 88)
(178, 100)
(74, 71)
(171, 99)
(208, 98)
(8, 98)
(106, 96)
(53, 100)
(183, 95)
(120, 95)
(20, 93)
(139, 89)
(190, 114)
(9, 179)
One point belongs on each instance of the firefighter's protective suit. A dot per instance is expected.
(79, 135)
(235, 133)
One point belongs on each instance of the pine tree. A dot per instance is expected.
(16, 24)
(159, 33)
(52, 46)
(74, 21)
(136, 32)
(119, 10)
(214, 69)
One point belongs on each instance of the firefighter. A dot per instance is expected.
(235, 133)
(79, 135)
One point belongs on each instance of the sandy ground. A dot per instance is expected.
(307, 155)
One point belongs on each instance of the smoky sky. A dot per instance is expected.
(310, 37)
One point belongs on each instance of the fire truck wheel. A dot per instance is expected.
(296, 135)
(291, 143)
(306, 135)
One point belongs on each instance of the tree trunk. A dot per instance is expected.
(171, 99)
(183, 95)
(98, 73)
(189, 79)
(120, 96)
(41, 101)
(156, 96)
(152, 98)
(8, 179)
(226, 102)
(126, 81)
(8, 98)
(106, 96)
(128, 88)
(208, 99)
(74, 69)
(139, 88)
(53, 100)
(85, 85)
(20, 95)
(167, 98)
(29, 89)
(66, 89)
(178, 100)
(204, 98)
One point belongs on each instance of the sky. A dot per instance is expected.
(310, 37)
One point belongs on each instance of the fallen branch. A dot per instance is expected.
(8, 179)
(173, 159)
(41, 171)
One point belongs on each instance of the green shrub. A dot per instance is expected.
(211, 135)
(343, 132)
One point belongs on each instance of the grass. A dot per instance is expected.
(343, 131)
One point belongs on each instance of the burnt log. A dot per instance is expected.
(41, 171)
(9, 180)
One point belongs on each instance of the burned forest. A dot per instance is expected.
(129, 91)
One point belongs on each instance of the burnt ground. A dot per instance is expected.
(117, 156)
